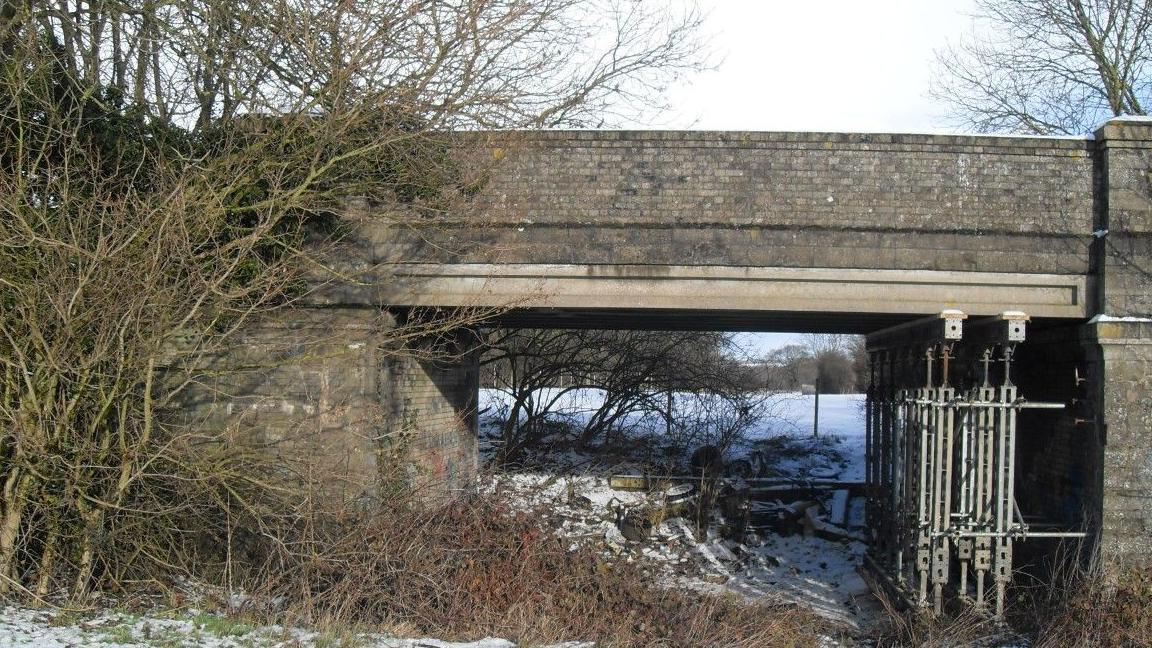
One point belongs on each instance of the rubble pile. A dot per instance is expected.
(782, 541)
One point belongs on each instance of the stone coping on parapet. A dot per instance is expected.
(1123, 330)
(1026, 144)
(1128, 127)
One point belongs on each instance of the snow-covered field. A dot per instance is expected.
(812, 571)
(841, 420)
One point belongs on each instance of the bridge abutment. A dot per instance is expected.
(328, 390)
(1119, 339)
(1120, 376)
(1089, 465)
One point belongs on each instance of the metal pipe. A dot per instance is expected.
(1020, 404)
(1024, 534)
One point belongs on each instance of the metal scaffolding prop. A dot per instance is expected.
(941, 450)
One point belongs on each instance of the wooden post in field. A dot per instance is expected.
(816, 412)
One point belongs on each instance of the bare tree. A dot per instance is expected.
(455, 63)
(1049, 66)
(832, 360)
(170, 172)
(632, 374)
(788, 367)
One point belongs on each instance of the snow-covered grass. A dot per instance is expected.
(191, 628)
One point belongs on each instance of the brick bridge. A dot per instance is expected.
(763, 231)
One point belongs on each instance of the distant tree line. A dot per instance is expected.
(833, 364)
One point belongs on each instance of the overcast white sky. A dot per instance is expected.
(820, 65)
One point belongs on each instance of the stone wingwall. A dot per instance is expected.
(325, 389)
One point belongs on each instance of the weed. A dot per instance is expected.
(121, 633)
(339, 639)
(65, 618)
(221, 626)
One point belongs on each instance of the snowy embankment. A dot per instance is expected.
(189, 629)
(768, 564)
(575, 496)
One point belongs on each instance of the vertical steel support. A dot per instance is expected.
(910, 448)
(941, 458)
(1006, 476)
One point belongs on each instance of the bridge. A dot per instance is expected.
(760, 231)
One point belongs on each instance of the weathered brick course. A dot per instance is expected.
(837, 200)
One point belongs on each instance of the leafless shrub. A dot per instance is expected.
(473, 569)
(172, 171)
(638, 376)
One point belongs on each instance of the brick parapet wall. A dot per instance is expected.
(932, 182)
(870, 201)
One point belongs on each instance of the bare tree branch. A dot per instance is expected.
(1049, 66)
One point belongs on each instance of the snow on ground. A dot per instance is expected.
(808, 570)
(47, 629)
(790, 565)
(841, 422)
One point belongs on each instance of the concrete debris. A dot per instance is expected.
(769, 535)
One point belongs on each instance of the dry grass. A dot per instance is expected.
(1072, 606)
(960, 626)
(922, 630)
(1094, 609)
(471, 569)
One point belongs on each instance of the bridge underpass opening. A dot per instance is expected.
(974, 464)
(767, 453)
